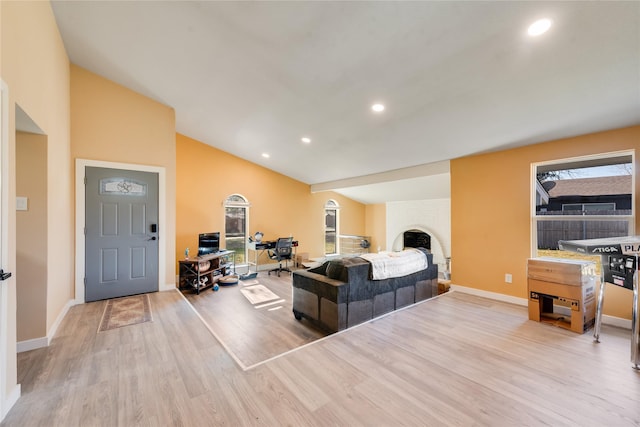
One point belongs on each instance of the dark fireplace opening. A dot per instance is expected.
(416, 239)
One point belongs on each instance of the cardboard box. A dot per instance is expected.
(566, 306)
(570, 305)
(559, 270)
(443, 286)
(300, 258)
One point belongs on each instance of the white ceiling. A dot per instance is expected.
(457, 78)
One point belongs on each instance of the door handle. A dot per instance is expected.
(152, 238)
(4, 276)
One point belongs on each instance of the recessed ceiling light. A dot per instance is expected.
(266, 155)
(539, 27)
(378, 108)
(306, 140)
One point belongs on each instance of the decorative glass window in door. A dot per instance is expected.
(122, 187)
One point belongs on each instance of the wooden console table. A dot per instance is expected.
(206, 270)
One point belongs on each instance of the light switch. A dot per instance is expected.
(21, 204)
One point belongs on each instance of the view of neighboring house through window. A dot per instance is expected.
(582, 198)
(331, 221)
(236, 216)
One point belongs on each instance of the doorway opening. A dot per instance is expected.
(31, 233)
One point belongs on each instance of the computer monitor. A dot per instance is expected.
(208, 243)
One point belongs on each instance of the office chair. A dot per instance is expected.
(282, 252)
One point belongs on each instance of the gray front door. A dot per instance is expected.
(121, 236)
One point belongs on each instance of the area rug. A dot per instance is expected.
(257, 294)
(126, 311)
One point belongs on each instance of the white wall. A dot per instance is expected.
(431, 216)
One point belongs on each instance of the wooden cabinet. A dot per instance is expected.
(205, 271)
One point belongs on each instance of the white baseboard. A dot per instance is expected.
(491, 295)
(54, 328)
(11, 400)
(41, 342)
(616, 321)
(606, 319)
(28, 345)
(167, 287)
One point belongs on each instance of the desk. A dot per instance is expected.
(258, 249)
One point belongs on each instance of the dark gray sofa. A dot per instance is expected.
(340, 293)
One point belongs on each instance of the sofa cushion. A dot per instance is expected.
(322, 269)
(334, 269)
(339, 268)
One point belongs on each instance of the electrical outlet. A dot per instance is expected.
(508, 278)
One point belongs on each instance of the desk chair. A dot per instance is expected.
(282, 252)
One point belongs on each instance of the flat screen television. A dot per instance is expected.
(208, 243)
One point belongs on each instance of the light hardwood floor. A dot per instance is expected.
(453, 360)
(254, 333)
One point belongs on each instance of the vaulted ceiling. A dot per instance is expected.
(456, 78)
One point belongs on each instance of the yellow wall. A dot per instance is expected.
(376, 226)
(35, 68)
(280, 206)
(491, 212)
(31, 232)
(114, 124)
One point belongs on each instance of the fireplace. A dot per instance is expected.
(416, 239)
(416, 236)
(431, 217)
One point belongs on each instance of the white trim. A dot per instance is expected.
(491, 295)
(81, 165)
(4, 183)
(54, 328)
(10, 400)
(41, 342)
(162, 287)
(32, 344)
(7, 397)
(616, 321)
(607, 320)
